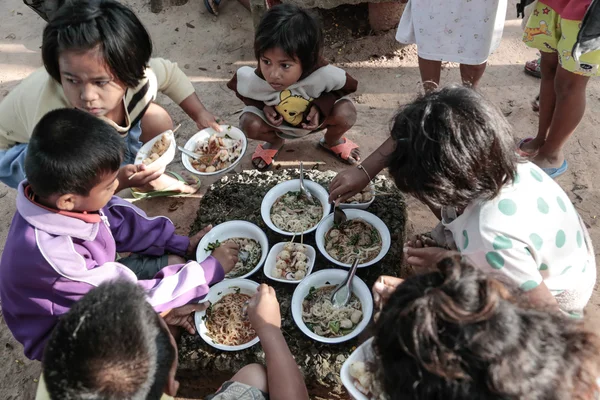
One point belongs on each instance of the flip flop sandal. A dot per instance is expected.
(267, 155)
(342, 151)
(212, 6)
(533, 68)
(556, 172)
(167, 192)
(522, 153)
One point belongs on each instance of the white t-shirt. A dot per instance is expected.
(530, 233)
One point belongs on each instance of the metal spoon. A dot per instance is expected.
(342, 293)
(189, 153)
(303, 189)
(339, 216)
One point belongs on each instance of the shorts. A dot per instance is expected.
(231, 390)
(145, 267)
(548, 32)
(132, 144)
(283, 131)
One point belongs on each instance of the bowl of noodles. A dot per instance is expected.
(363, 235)
(158, 152)
(318, 319)
(288, 213)
(251, 240)
(223, 324)
(218, 152)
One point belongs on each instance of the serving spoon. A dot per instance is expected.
(342, 293)
(305, 192)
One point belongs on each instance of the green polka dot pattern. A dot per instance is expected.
(466, 240)
(502, 243)
(536, 240)
(579, 239)
(561, 238)
(495, 260)
(529, 285)
(561, 204)
(507, 207)
(565, 270)
(542, 206)
(543, 267)
(536, 175)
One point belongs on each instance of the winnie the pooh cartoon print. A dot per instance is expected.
(292, 107)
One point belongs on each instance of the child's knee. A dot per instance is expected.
(155, 121)
(345, 114)
(251, 125)
(568, 84)
(254, 375)
(174, 260)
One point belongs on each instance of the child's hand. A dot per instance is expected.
(426, 256)
(227, 255)
(143, 175)
(420, 241)
(263, 309)
(272, 116)
(383, 289)
(183, 316)
(206, 120)
(346, 184)
(194, 240)
(313, 118)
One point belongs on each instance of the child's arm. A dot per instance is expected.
(175, 84)
(232, 84)
(135, 232)
(326, 101)
(284, 378)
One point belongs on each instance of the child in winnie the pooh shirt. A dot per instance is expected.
(294, 92)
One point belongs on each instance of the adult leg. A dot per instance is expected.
(338, 123)
(568, 113)
(430, 73)
(471, 74)
(255, 128)
(549, 65)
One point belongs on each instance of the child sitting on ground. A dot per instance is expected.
(124, 333)
(97, 59)
(458, 333)
(294, 91)
(69, 227)
(453, 150)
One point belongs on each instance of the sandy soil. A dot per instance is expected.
(209, 50)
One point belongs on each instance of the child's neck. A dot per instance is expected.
(117, 115)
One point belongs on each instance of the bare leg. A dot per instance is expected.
(430, 73)
(174, 260)
(548, 67)
(255, 128)
(568, 112)
(338, 123)
(471, 74)
(254, 375)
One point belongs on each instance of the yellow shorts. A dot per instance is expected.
(549, 32)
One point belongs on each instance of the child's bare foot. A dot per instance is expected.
(344, 149)
(167, 182)
(530, 146)
(420, 241)
(545, 161)
(265, 154)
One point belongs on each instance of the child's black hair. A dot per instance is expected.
(70, 152)
(295, 31)
(109, 345)
(452, 146)
(458, 333)
(78, 25)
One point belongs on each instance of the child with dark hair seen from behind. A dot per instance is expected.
(96, 56)
(294, 92)
(458, 333)
(115, 327)
(454, 150)
(69, 226)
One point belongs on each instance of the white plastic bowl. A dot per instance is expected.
(269, 267)
(331, 277)
(360, 206)
(231, 229)
(363, 353)
(216, 292)
(372, 219)
(293, 185)
(164, 160)
(204, 134)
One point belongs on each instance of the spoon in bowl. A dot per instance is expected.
(342, 293)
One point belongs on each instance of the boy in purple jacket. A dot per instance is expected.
(69, 227)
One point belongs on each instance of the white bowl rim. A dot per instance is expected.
(347, 380)
(275, 249)
(315, 188)
(219, 288)
(146, 147)
(357, 284)
(207, 132)
(201, 256)
(361, 205)
(353, 213)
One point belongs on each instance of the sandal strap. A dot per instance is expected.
(265, 154)
(344, 149)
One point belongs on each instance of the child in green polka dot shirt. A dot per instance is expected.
(455, 152)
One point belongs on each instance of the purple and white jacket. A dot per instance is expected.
(52, 259)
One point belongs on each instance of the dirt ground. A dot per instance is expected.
(210, 49)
